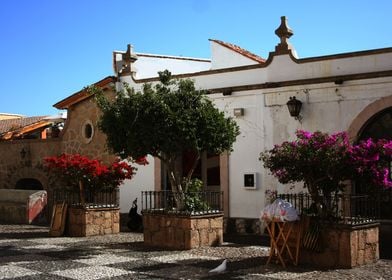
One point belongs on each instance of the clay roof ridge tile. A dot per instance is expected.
(240, 50)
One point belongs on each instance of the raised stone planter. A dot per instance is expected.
(345, 246)
(182, 232)
(89, 222)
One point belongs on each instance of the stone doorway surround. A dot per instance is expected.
(367, 113)
(354, 131)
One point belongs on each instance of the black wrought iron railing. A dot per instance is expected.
(189, 203)
(340, 208)
(109, 198)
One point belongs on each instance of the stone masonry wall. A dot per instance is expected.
(13, 167)
(89, 222)
(73, 138)
(345, 247)
(182, 233)
(243, 226)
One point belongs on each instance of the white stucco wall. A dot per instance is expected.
(147, 66)
(328, 107)
(244, 158)
(131, 189)
(222, 57)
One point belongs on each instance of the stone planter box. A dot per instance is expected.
(345, 246)
(182, 232)
(89, 222)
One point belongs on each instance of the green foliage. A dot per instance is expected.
(165, 120)
(193, 197)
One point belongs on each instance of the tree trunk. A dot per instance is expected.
(179, 184)
(176, 183)
(81, 193)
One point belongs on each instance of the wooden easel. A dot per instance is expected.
(285, 241)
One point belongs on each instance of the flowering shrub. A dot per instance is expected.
(324, 161)
(77, 170)
(142, 160)
(370, 162)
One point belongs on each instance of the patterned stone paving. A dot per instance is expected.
(26, 252)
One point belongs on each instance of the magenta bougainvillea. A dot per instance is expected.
(323, 162)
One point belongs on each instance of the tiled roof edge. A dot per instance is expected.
(240, 50)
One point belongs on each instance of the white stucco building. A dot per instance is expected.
(340, 92)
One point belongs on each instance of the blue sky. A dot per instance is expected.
(51, 49)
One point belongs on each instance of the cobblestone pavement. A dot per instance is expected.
(26, 252)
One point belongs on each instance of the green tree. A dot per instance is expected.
(165, 120)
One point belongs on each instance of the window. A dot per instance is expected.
(87, 131)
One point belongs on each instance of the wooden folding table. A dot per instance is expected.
(285, 241)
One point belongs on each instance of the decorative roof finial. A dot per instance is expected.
(284, 33)
(128, 57)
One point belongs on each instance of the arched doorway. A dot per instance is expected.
(379, 126)
(36, 209)
(28, 184)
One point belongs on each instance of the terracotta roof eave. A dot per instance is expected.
(82, 94)
(15, 124)
(23, 130)
(240, 50)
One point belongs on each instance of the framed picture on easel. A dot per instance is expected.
(59, 216)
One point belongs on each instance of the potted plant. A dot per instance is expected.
(325, 163)
(80, 173)
(166, 120)
(89, 187)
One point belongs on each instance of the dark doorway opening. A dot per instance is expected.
(28, 184)
(34, 184)
(380, 127)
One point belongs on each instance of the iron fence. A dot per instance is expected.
(342, 209)
(192, 203)
(109, 198)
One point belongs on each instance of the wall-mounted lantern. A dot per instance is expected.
(23, 153)
(294, 107)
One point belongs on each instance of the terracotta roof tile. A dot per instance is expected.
(240, 50)
(13, 124)
(82, 94)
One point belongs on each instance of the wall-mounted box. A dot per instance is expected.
(238, 112)
(250, 180)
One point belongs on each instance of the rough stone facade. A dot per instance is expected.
(89, 222)
(14, 167)
(181, 233)
(243, 226)
(74, 139)
(345, 247)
